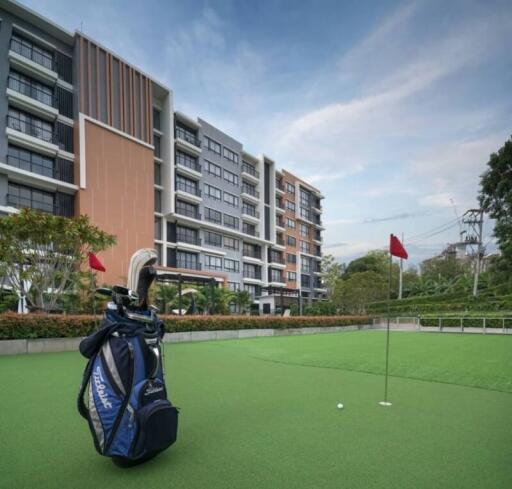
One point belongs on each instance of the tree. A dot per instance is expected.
(47, 252)
(214, 300)
(165, 297)
(354, 293)
(443, 268)
(496, 199)
(243, 299)
(331, 272)
(374, 261)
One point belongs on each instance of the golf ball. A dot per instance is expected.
(339, 405)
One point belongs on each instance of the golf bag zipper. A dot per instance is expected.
(125, 402)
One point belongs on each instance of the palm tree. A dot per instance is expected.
(243, 299)
(214, 300)
(165, 297)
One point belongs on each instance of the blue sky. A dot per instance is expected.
(390, 108)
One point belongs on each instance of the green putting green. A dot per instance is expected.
(261, 413)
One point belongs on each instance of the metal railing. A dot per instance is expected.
(250, 231)
(60, 169)
(190, 189)
(250, 211)
(31, 91)
(188, 264)
(276, 259)
(184, 211)
(280, 185)
(32, 52)
(185, 238)
(246, 168)
(189, 162)
(187, 136)
(252, 274)
(25, 202)
(251, 253)
(247, 189)
(28, 127)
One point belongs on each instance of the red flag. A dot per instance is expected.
(95, 263)
(396, 248)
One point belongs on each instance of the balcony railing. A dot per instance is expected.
(188, 162)
(188, 264)
(279, 185)
(280, 223)
(187, 136)
(250, 231)
(184, 211)
(190, 189)
(279, 203)
(250, 170)
(252, 253)
(185, 238)
(32, 129)
(33, 53)
(250, 211)
(250, 190)
(25, 202)
(61, 169)
(280, 241)
(31, 91)
(276, 259)
(255, 274)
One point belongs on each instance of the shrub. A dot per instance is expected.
(14, 326)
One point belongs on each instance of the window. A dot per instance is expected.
(249, 229)
(157, 144)
(213, 239)
(231, 243)
(187, 209)
(231, 177)
(230, 155)
(22, 196)
(32, 51)
(304, 230)
(250, 189)
(158, 174)
(185, 159)
(290, 188)
(252, 250)
(275, 275)
(33, 162)
(291, 258)
(305, 213)
(305, 281)
(290, 223)
(213, 215)
(231, 221)
(291, 241)
(305, 197)
(31, 88)
(158, 200)
(212, 192)
(231, 265)
(212, 145)
(158, 228)
(306, 264)
(156, 119)
(276, 257)
(212, 262)
(304, 246)
(187, 185)
(291, 276)
(187, 260)
(252, 271)
(252, 289)
(33, 126)
(187, 235)
(212, 169)
(290, 205)
(158, 248)
(187, 134)
(233, 286)
(231, 199)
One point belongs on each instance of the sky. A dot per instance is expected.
(390, 108)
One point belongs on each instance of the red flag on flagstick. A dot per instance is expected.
(396, 248)
(95, 263)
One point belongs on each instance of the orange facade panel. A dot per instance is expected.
(118, 196)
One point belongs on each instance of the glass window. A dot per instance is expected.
(213, 215)
(187, 235)
(231, 177)
(212, 192)
(304, 247)
(304, 230)
(213, 239)
(231, 243)
(290, 205)
(290, 223)
(275, 275)
(156, 119)
(187, 160)
(291, 241)
(186, 209)
(290, 188)
(212, 145)
(157, 144)
(231, 221)
(231, 265)
(231, 199)
(158, 173)
(233, 286)
(212, 169)
(230, 155)
(291, 276)
(212, 262)
(158, 200)
(291, 258)
(187, 260)
(158, 228)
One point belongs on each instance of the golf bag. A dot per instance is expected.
(126, 404)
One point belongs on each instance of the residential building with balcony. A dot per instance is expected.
(83, 131)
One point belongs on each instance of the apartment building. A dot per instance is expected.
(82, 131)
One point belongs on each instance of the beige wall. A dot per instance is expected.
(119, 196)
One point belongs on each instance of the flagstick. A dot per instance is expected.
(385, 401)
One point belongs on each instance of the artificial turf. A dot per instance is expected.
(262, 413)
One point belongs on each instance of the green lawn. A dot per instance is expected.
(262, 413)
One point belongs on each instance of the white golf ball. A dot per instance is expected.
(339, 405)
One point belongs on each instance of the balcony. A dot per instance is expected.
(274, 258)
(279, 186)
(279, 222)
(188, 164)
(187, 136)
(31, 129)
(61, 169)
(249, 190)
(184, 211)
(187, 238)
(250, 212)
(189, 189)
(63, 210)
(188, 264)
(252, 274)
(34, 97)
(251, 253)
(280, 241)
(250, 170)
(250, 230)
(33, 53)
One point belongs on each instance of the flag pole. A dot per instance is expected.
(385, 402)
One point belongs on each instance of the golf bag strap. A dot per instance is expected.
(82, 408)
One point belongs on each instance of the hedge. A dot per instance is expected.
(27, 326)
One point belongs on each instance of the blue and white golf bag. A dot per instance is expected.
(123, 394)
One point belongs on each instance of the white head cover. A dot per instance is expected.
(139, 260)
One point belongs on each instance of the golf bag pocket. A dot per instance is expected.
(157, 426)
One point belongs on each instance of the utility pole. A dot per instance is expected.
(400, 282)
(474, 221)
